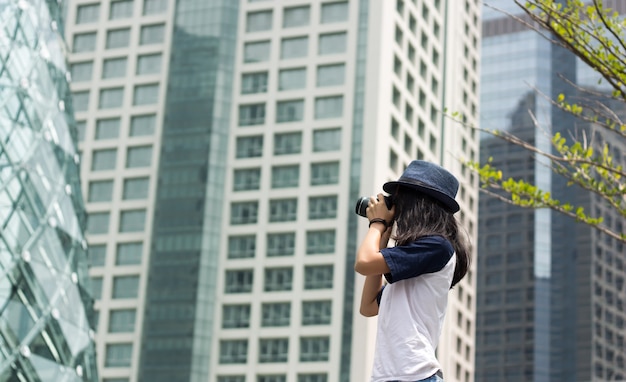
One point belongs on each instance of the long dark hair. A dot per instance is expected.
(418, 215)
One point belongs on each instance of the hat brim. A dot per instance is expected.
(449, 203)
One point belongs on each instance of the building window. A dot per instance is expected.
(121, 9)
(231, 378)
(273, 350)
(287, 143)
(100, 191)
(289, 111)
(151, 7)
(316, 312)
(107, 128)
(236, 316)
(332, 43)
(314, 349)
(281, 244)
(249, 147)
(322, 207)
(152, 34)
(114, 67)
(292, 79)
(118, 355)
(111, 98)
(252, 83)
(132, 221)
(88, 13)
(80, 100)
(122, 321)
(238, 281)
(271, 378)
(84, 42)
(283, 210)
(81, 128)
(328, 107)
(241, 246)
(275, 314)
(103, 160)
(396, 97)
(278, 279)
(257, 51)
(327, 140)
(285, 176)
(318, 277)
(142, 125)
(81, 71)
(129, 253)
(296, 16)
(258, 21)
(96, 287)
(244, 213)
(313, 377)
(97, 255)
(319, 242)
(331, 75)
(233, 351)
(149, 64)
(334, 12)
(135, 188)
(118, 38)
(125, 287)
(294, 47)
(139, 156)
(146, 94)
(253, 114)
(247, 179)
(324, 173)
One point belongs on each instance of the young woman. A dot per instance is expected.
(407, 285)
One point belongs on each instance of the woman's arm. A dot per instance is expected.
(369, 297)
(369, 261)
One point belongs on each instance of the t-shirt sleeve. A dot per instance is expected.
(426, 255)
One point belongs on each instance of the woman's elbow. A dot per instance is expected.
(362, 268)
(369, 311)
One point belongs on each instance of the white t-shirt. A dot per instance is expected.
(412, 309)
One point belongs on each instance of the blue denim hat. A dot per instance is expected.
(430, 179)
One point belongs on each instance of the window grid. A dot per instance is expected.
(273, 350)
(282, 210)
(275, 314)
(241, 246)
(239, 281)
(236, 316)
(278, 279)
(281, 244)
(318, 277)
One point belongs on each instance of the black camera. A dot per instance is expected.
(361, 205)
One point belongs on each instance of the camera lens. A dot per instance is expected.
(361, 206)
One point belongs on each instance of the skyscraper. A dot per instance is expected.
(225, 144)
(543, 313)
(45, 305)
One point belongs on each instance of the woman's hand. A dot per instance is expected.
(377, 209)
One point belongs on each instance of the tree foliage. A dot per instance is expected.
(595, 34)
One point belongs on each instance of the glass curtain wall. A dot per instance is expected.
(45, 303)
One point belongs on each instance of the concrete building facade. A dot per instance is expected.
(224, 146)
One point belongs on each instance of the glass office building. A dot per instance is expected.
(550, 291)
(45, 305)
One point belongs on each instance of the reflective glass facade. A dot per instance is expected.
(45, 306)
(542, 314)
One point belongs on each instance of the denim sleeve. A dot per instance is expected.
(426, 255)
